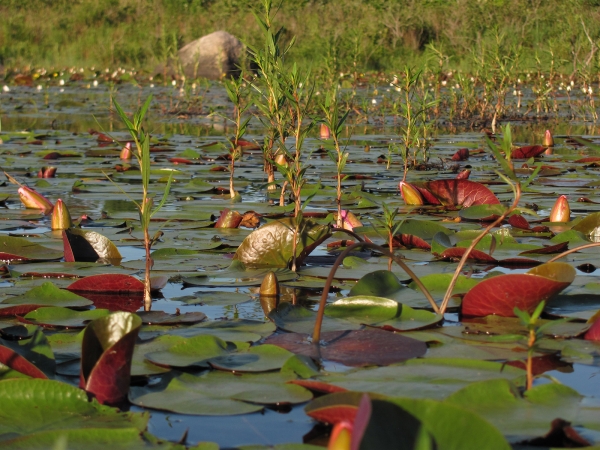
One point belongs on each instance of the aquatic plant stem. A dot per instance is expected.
(476, 241)
(319, 321)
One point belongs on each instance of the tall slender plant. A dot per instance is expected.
(145, 207)
(270, 86)
(334, 119)
(236, 91)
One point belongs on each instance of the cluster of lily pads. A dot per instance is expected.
(242, 338)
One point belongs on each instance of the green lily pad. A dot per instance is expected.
(381, 312)
(219, 393)
(21, 249)
(261, 358)
(298, 319)
(63, 317)
(381, 283)
(191, 352)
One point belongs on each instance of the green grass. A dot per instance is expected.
(332, 36)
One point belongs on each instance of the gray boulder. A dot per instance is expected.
(212, 56)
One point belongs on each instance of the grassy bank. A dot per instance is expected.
(332, 36)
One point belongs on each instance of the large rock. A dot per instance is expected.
(212, 56)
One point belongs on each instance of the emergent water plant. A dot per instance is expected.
(145, 207)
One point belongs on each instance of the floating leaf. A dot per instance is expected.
(380, 283)
(45, 295)
(382, 313)
(460, 192)
(528, 151)
(260, 358)
(217, 393)
(501, 294)
(63, 317)
(271, 244)
(353, 348)
(106, 354)
(21, 249)
(109, 283)
(192, 352)
(589, 225)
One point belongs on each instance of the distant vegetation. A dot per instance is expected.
(332, 35)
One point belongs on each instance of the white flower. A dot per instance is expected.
(61, 82)
(95, 83)
(39, 87)
(5, 88)
(173, 83)
(374, 101)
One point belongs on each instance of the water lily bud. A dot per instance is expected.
(410, 194)
(269, 293)
(349, 221)
(229, 219)
(324, 132)
(126, 152)
(548, 139)
(560, 211)
(61, 218)
(341, 436)
(34, 200)
(47, 172)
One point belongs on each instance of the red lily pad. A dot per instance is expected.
(518, 221)
(475, 255)
(548, 250)
(369, 347)
(107, 351)
(461, 154)
(500, 295)
(593, 334)
(318, 386)
(107, 283)
(12, 359)
(410, 241)
(460, 192)
(528, 151)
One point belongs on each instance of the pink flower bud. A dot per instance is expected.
(34, 200)
(548, 139)
(126, 152)
(560, 211)
(341, 436)
(324, 132)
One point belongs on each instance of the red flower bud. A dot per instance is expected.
(560, 211)
(410, 194)
(34, 200)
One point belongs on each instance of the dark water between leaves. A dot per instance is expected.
(51, 127)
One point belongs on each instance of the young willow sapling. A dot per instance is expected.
(145, 207)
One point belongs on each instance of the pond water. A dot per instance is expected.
(52, 126)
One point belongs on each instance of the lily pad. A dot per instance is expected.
(219, 393)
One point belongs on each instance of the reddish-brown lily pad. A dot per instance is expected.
(528, 151)
(107, 283)
(500, 295)
(457, 193)
(369, 347)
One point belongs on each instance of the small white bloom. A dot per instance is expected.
(152, 85)
(39, 87)
(444, 82)
(374, 101)
(590, 90)
(173, 83)
(61, 82)
(95, 83)
(5, 88)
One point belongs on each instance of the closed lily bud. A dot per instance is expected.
(47, 172)
(548, 139)
(269, 293)
(348, 221)
(61, 218)
(341, 436)
(324, 132)
(126, 152)
(560, 211)
(34, 200)
(410, 194)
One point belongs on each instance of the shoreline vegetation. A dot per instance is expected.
(332, 37)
